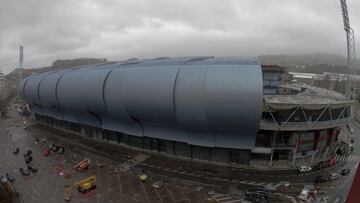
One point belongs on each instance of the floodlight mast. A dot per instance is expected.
(21, 62)
(351, 58)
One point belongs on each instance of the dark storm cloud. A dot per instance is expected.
(120, 29)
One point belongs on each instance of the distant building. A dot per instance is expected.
(327, 80)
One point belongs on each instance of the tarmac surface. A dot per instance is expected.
(113, 184)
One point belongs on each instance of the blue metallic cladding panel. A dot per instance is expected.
(232, 105)
(31, 89)
(189, 105)
(48, 94)
(119, 118)
(21, 88)
(205, 101)
(147, 93)
(70, 92)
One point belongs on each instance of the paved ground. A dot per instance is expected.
(113, 185)
(340, 191)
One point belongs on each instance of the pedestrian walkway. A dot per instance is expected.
(126, 166)
(347, 158)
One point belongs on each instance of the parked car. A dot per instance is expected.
(54, 147)
(321, 179)
(27, 152)
(331, 162)
(333, 176)
(16, 151)
(351, 147)
(304, 169)
(46, 152)
(10, 178)
(304, 194)
(352, 131)
(322, 165)
(341, 151)
(270, 188)
(338, 199)
(345, 171)
(28, 159)
(32, 168)
(24, 171)
(325, 199)
(61, 150)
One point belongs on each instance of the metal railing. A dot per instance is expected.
(271, 125)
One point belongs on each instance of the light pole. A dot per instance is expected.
(351, 57)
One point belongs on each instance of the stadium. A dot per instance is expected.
(224, 110)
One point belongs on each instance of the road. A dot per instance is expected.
(351, 162)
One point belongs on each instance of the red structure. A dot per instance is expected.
(354, 194)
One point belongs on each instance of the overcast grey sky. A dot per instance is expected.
(121, 29)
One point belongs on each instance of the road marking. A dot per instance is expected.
(343, 158)
(356, 158)
(233, 201)
(216, 195)
(223, 198)
(351, 158)
(347, 158)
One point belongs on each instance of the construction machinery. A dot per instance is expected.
(82, 165)
(143, 177)
(86, 185)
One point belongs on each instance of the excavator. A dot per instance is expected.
(86, 185)
(83, 186)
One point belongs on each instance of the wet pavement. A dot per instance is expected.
(113, 185)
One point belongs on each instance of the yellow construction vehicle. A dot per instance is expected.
(143, 177)
(86, 185)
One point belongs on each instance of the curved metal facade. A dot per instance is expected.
(212, 102)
